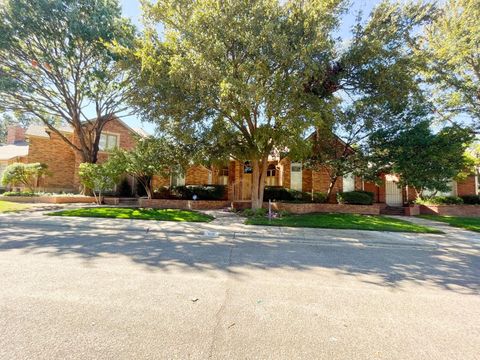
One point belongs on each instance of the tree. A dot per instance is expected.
(338, 156)
(251, 77)
(55, 63)
(421, 158)
(151, 157)
(233, 73)
(100, 177)
(451, 49)
(26, 175)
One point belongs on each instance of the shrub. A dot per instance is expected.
(283, 213)
(471, 199)
(277, 193)
(440, 200)
(319, 197)
(19, 193)
(26, 175)
(354, 198)
(369, 193)
(99, 177)
(255, 213)
(124, 188)
(163, 193)
(203, 192)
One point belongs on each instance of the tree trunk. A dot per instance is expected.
(259, 174)
(333, 181)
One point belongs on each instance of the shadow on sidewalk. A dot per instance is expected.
(455, 270)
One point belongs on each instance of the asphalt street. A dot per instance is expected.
(77, 292)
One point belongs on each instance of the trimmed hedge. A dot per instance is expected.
(278, 193)
(440, 200)
(355, 198)
(20, 193)
(203, 192)
(471, 199)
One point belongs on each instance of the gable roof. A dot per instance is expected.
(41, 130)
(8, 152)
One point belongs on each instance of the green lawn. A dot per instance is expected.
(343, 221)
(468, 223)
(142, 214)
(6, 206)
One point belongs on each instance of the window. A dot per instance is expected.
(247, 168)
(223, 176)
(348, 182)
(271, 173)
(452, 192)
(296, 176)
(108, 142)
(178, 180)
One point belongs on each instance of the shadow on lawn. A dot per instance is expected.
(457, 269)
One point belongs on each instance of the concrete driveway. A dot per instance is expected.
(102, 290)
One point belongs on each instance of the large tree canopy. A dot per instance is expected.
(451, 46)
(234, 72)
(55, 64)
(422, 158)
(245, 77)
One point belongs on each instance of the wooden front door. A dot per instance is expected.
(247, 187)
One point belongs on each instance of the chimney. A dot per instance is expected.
(15, 134)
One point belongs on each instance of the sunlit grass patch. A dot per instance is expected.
(134, 213)
(468, 223)
(343, 221)
(6, 206)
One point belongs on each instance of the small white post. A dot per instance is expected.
(270, 209)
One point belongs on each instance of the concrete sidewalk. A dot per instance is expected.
(230, 225)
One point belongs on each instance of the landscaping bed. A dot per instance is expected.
(468, 223)
(140, 214)
(54, 199)
(184, 204)
(342, 221)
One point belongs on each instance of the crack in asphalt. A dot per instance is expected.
(219, 315)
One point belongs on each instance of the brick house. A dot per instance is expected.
(39, 144)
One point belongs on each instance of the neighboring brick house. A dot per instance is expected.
(15, 150)
(237, 177)
(39, 144)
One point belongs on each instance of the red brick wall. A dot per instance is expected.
(15, 133)
(197, 175)
(467, 186)
(326, 208)
(307, 180)
(59, 157)
(451, 210)
(184, 204)
(369, 186)
(286, 165)
(126, 140)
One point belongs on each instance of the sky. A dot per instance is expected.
(132, 10)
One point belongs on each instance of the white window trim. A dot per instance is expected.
(300, 183)
(106, 133)
(178, 176)
(352, 187)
